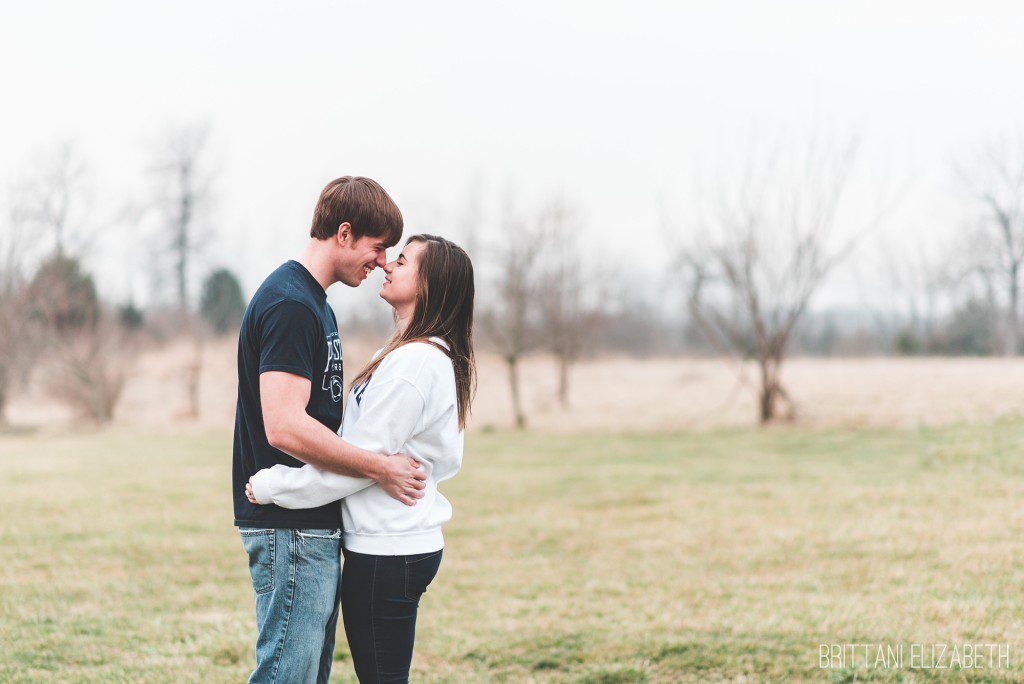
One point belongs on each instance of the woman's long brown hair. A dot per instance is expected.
(444, 308)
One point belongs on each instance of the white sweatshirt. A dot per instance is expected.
(409, 405)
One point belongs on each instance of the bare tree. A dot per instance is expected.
(54, 196)
(58, 308)
(184, 177)
(51, 201)
(511, 320)
(767, 246)
(89, 371)
(17, 341)
(572, 308)
(994, 178)
(922, 276)
(183, 180)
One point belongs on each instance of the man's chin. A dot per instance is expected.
(354, 279)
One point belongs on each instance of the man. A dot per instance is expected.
(290, 389)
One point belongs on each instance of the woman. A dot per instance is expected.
(413, 397)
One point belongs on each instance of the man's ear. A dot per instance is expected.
(344, 233)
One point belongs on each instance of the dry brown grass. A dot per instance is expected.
(621, 394)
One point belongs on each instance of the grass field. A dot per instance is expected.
(710, 556)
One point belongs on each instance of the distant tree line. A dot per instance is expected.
(54, 327)
(744, 272)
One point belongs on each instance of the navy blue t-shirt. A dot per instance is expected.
(288, 326)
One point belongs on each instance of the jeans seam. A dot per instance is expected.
(288, 609)
(373, 634)
(408, 565)
(269, 586)
(427, 556)
(327, 635)
(273, 562)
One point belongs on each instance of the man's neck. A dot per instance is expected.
(315, 259)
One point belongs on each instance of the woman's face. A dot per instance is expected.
(401, 277)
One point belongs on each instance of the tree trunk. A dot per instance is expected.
(1012, 325)
(193, 372)
(767, 403)
(770, 390)
(772, 393)
(182, 245)
(563, 381)
(4, 386)
(513, 382)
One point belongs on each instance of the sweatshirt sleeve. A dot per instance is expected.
(305, 487)
(391, 413)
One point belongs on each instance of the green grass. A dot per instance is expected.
(643, 558)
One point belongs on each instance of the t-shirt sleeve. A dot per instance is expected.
(289, 335)
(391, 413)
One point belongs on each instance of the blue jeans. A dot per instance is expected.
(380, 596)
(296, 576)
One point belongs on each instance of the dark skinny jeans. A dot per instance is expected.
(379, 599)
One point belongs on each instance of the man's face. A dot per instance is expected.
(357, 257)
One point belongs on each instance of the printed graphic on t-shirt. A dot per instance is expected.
(360, 389)
(333, 374)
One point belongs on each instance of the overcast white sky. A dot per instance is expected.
(617, 103)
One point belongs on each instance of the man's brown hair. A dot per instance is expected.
(360, 202)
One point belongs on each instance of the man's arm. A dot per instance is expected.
(284, 397)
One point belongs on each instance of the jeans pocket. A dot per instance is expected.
(420, 569)
(259, 544)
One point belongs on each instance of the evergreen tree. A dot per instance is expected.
(222, 303)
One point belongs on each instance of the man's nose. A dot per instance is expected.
(382, 259)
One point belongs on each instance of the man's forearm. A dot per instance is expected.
(312, 442)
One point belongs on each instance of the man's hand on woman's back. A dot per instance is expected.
(402, 478)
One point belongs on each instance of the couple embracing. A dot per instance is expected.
(311, 483)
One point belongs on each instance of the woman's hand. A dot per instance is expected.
(249, 494)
